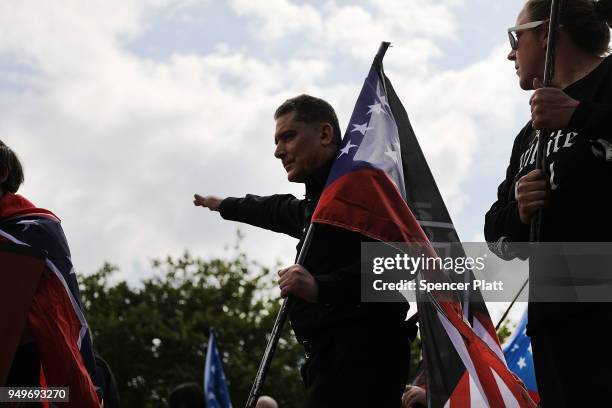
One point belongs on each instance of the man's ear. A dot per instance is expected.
(327, 134)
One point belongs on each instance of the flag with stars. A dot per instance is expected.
(378, 181)
(215, 384)
(56, 316)
(520, 359)
(369, 161)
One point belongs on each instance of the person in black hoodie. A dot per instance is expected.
(357, 353)
(572, 359)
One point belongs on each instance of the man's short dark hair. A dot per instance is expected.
(10, 164)
(309, 109)
(187, 395)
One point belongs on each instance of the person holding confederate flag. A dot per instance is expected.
(357, 354)
(55, 348)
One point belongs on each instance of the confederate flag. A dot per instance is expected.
(378, 181)
(55, 317)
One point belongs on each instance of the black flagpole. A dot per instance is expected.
(511, 304)
(535, 232)
(283, 313)
(378, 63)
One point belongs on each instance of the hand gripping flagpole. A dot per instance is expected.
(283, 313)
(266, 359)
(535, 232)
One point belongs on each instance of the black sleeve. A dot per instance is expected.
(593, 119)
(502, 221)
(343, 285)
(279, 213)
(342, 282)
(340, 285)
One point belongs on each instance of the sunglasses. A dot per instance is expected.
(527, 26)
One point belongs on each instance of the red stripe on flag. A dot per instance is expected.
(460, 398)
(44, 386)
(56, 329)
(381, 213)
(484, 360)
(487, 323)
(534, 396)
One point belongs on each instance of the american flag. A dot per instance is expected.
(56, 316)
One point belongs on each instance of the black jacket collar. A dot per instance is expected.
(315, 182)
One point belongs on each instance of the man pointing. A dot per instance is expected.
(357, 353)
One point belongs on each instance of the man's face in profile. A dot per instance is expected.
(299, 145)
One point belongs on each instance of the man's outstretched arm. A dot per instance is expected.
(211, 202)
(280, 213)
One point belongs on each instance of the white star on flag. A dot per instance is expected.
(361, 128)
(393, 154)
(376, 108)
(26, 224)
(381, 96)
(522, 363)
(529, 348)
(346, 149)
(514, 348)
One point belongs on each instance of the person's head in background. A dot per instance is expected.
(266, 402)
(11, 170)
(187, 395)
(583, 38)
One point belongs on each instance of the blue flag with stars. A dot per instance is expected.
(520, 359)
(215, 384)
(365, 190)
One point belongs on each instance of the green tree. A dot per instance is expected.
(505, 330)
(154, 336)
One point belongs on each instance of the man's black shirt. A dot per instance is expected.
(334, 259)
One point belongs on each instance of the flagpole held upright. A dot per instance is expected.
(378, 62)
(289, 301)
(281, 318)
(541, 134)
(498, 325)
(382, 50)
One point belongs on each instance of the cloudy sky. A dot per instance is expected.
(122, 110)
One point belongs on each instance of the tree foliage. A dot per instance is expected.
(154, 336)
(504, 331)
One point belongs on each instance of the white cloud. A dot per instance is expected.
(357, 30)
(116, 143)
(455, 115)
(280, 17)
(427, 18)
(56, 37)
